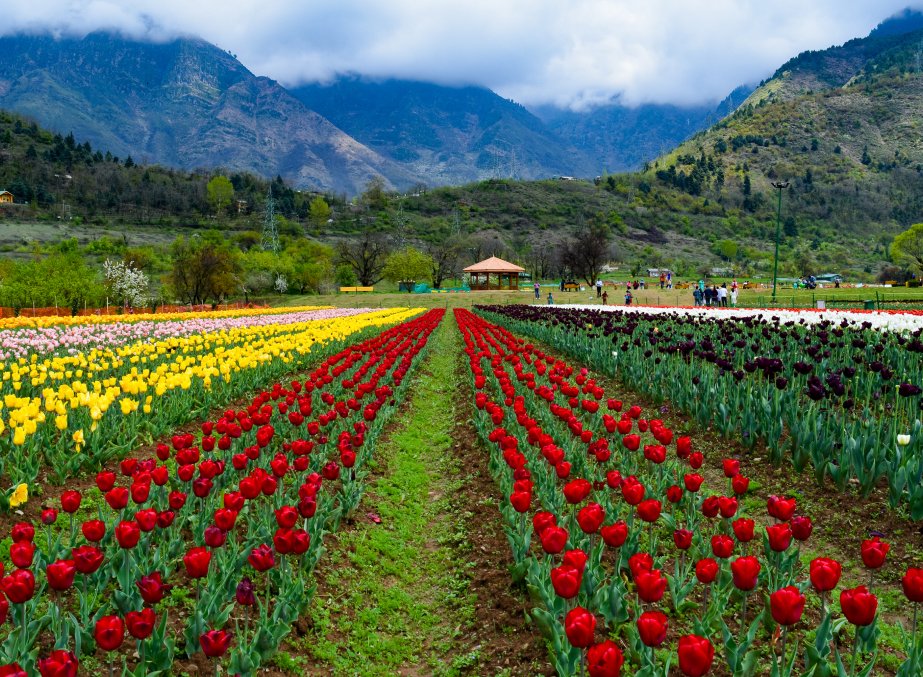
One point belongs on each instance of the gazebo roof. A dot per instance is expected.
(494, 265)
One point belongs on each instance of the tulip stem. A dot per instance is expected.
(743, 618)
(784, 638)
(913, 640)
(855, 652)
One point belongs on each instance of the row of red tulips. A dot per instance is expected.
(628, 551)
(227, 523)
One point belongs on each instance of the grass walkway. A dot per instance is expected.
(395, 596)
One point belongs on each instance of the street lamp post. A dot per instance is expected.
(780, 186)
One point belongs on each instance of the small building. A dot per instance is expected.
(6, 197)
(656, 272)
(505, 275)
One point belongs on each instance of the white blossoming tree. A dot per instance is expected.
(128, 284)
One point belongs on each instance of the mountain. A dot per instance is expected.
(445, 135)
(183, 103)
(620, 138)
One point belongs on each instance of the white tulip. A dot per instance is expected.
(903, 440)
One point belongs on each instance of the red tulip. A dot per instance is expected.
(912, 582)
(262, 558)
(49, 516)
(146, 519)
(706, 570)
(19, 586)
(4, 608)
(650, 585)
(93, 530)
(614, 535)
(640, 561)
(727, 505)
(109, 633)
(874, 552)
(87, 558)
(743, 529)
(542, 520)
(859, 605)
(580, 626)
(196, 561)
(695, 655)
(140, 624)
(553, 539)
(722, 546)
(591, 517)
(70, 501)
(745, 572)
(674, 493)
(576, 559)
(286, 516)
(693, 481)
(61, 574)
(215, 643)
(652, 628)
(117, 498)
(15, 670)
(740, 484)
(577, 490)
(566, 581)
(682, 538)
(22, 531)
(215, 537)
(632, 490)
(781, 508)
(696, 459)
(711, 506)
(731, 467)
(520, 501)
(824, 573)
(105, 480)
(127, 534)
(801, 528)
(60, 663)
(604, 659)
(649, 510)
(21, 554)
(787, 605)
(780, 536)
(152, 588)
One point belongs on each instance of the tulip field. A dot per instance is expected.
(207, 493)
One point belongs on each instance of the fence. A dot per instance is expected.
(62, 311)
(870, 301)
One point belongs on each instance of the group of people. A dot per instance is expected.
(713, 295)
(666, 280)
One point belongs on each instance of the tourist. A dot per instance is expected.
(663, 280)
(628, 298)
(697, 296)
(734, 295)
(723, 295)
(702, 286)
(562, 284)
(635, 285)
(605, 299)
(537, 291)
(550, 299)
(669, 280)
(599, 288)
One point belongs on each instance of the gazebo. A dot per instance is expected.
(506, 274)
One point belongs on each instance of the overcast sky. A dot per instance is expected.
(566, 52)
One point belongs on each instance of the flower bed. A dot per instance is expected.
(844, 400)
(635, 562)
(208, 546)
(67, 412)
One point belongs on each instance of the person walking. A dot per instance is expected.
(605, 299)
(702, 286)
(538, 291)
(599, 288)
(663, 280)
(550, 299)
(697, 296)
(734, 295)
(628, 298)
(669, 280)
(723, 295)
(562, 284)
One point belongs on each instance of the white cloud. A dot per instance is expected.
(569, 52)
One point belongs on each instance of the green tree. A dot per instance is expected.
(204, 268)
(220, 192)
(408, 265)
(907, 248)
(319, 212)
